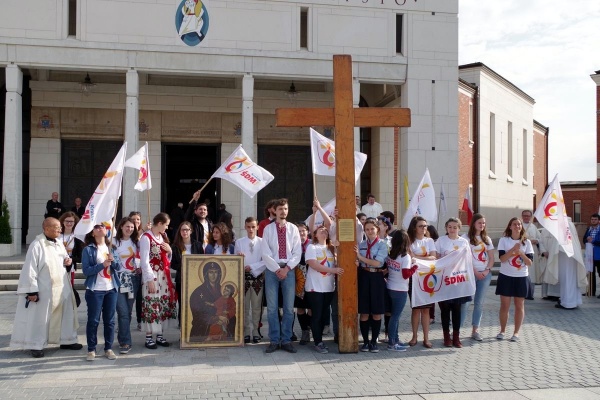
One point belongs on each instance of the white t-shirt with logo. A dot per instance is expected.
(129, 258)
(480, 252)
(514, 266)
(104, 278)
(422, 247)
(319, 281)
(395, 281)
(445, 245)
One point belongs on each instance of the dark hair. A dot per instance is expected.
(400, 243)
(412, 228)
(280, 202)
(90, 239)
(302, 223)
(508, 232)
(178, 240)
(360, 215)
(452, 219)
(268, 206)
(200, 204)
(472, 234)
(373, 222)
(139, 214)
(231, 289)
(226, 239)
(65, 216)
(370, 195)
(119, 234)
(595, 215)
(250, 219)
(389, 215)
(386, 221)
(433, 233)
(162, 218)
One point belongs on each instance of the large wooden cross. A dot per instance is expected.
(344, 117)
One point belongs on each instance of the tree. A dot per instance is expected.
(5, 232)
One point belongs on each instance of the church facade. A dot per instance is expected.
(196, 78)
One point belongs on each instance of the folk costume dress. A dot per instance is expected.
(157, 308)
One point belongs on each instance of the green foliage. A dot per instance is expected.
(5, 232)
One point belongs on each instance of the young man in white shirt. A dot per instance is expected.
(281, 252)
(254, 282)
(372, 209)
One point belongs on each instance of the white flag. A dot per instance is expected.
(448, 278)
(443, 205)
(552, 215)
(323, 156)
(240, 170)
(328, 208)
(422, 202)
(140, 162)
(101, 207)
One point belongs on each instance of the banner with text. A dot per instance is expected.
(448, 278)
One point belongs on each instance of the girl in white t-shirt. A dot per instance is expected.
(516, 255)
(423, 248)
(320, 283)
(399, 273)
(483, 261)
(451, 309)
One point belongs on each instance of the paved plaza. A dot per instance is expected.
(557, 357)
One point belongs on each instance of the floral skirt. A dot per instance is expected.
(157, 308)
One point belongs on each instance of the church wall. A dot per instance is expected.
(466, 154)
(540, 162)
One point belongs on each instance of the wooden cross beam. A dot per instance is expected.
(344, 117)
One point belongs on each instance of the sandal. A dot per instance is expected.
(427, 344)
(411, 343)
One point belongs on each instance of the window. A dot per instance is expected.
(492, 143)
(576, 210)
(510, 150)
(304, 28)
(524, 154)
(72, 18)
(399, 33)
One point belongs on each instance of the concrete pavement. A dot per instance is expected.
(557, 357)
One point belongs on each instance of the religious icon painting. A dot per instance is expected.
(212, 301)
(191, 21)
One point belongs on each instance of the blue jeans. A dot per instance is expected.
(279, 334)
(398, 300)
(481, 287)
(124, 309)
(100, 302)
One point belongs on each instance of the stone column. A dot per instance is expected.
(12, 171)
(130, 195)
(248, 207)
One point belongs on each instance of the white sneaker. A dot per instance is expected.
(110, 354)
(91, 356)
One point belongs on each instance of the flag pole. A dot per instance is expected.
(114, 217)
(148, 201)
(201, 189)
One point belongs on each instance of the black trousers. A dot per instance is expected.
(447, 308)
(319, 304)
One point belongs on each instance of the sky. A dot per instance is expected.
(549, 49)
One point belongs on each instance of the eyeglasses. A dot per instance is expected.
(99, 227)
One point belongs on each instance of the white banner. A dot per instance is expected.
(448, 278)
(140, 162)
(323, 156)
(101, 207)
(552, 215)
(422, 203)
(240, 170)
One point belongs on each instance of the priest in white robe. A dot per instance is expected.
(567, 274)
(46, 311)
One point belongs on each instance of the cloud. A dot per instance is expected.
(548, 49)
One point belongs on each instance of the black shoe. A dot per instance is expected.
(294, 338)
(365, 347)
(151, 344)
(73, 346)
(272, 348)
(162, 342)
(373, 348)
(336, 339)
(246, 339)
(37, 353)
(256, 339)
(289, 348)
